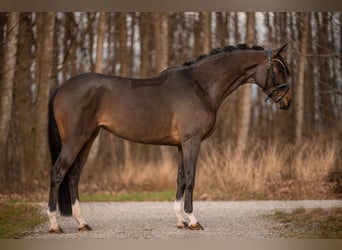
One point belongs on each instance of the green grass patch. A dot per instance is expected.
(18, 217)
(315, 223)
(166, 195)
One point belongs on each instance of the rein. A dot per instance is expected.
(282, 88)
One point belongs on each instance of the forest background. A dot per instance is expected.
(256, 152)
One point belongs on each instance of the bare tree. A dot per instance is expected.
(23, 95)
(123, 57)
(326, 109)
(237, 34)
(6, 88)
(244, 106)
(101, 28)
(197, 36)
(309, 122)
(222, 28)
(100, 40)
(3, 22)
(122, 25)
(161, 36)
(205, 18)
(145, 32)
(300, 82)
(46, 23)
(70, 44)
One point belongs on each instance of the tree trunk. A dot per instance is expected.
(326, 108)
(6, 88)
(144, 28)
(175, 41)
(300, 82)
(23, 96)
(236, 28)
(69, 46)
(3, 21)
(90, 31)
(244, 114)
(162, 51)
(72, 31)
(223, 28)
(55, 60)
(309, 121)
(197, 49)
(161, 36)
(123, 44)
(101, 28)
(206, 23)
(45, 23)
(131, 61)
(123, 57)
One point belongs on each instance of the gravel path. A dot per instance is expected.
(156, 220)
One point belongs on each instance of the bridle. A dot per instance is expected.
(281, 89)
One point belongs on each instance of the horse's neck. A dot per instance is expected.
(221, 76)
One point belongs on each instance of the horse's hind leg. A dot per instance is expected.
(58, 172)
(74, 178)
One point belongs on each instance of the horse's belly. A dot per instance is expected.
(149, 131)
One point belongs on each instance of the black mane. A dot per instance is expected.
(225, 49)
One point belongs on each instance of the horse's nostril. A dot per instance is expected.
(287, 106)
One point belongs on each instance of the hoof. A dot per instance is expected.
(84, 228)
(196, 226)
(182, 225)
(58, 230)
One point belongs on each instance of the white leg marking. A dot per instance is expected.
(178, 208)
(193, 220)
(77, 213)
(53, 220)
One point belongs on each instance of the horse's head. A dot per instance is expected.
(272, 75)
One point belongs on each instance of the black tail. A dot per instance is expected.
(64, 199)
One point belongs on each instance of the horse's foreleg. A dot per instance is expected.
(190, 148)
(178, 206)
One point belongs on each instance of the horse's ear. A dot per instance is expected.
(279, 51)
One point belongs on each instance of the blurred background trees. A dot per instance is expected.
(38, 51)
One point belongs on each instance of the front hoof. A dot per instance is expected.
(196, 226)
(84, 228)
(57, 230)
(182, 225)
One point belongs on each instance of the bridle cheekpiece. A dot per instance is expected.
(281, 89)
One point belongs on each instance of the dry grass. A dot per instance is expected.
(269, 171)
(158, 175)
(266, 171)
(309, 224)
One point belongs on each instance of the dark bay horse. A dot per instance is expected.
(176, 108)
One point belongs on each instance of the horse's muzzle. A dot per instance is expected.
(285, 102)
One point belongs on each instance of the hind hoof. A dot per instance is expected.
(84, 228)
(182, 225)
(196, 226)
(57, 230)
